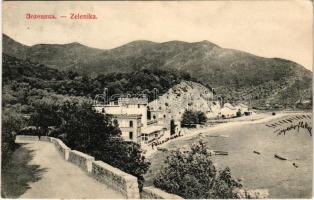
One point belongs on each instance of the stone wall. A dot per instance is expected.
(120, 181)
(113, 177)
(82, 160)
(155, 193)
(45, 138)
(24, 138)
(61, 147)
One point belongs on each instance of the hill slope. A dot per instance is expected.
(19, 72)
(237, 75)
(185, 95)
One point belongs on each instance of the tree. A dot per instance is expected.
(187, 119)
(12, 122)
(172, 127)
(45, 115)
(99, 136)
(190, 118)
(201, 117)
(193, 175)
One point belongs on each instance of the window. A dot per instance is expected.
(138, 105)
(164, 116)
(131, 135)
(131, 123)
(102, 110)
(154, 117)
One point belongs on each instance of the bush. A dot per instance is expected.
(190, 118)
(192, 175)
(12, 122)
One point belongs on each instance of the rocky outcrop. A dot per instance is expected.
(186, 95)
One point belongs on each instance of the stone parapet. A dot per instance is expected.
(61, 147)
(82, 160)
(155, 193)
(45, 138)
(26, 138)
(120, 181)
(113, 177)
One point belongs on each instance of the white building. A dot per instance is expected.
(130, 126)
(126, 106)
(242, 108)
(131, 115)
(228, 111)
(152, 133)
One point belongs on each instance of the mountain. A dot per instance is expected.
(59, 56)
(13, 48)
(237, 75)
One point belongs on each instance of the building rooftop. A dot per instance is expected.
(242, 105)
(127, 116)
(132, 100)
(228, 105)
(152, 129)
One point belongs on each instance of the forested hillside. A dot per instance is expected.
(235, 75)
(23, 80)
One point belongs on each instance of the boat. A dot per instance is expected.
(162, 149)
(280, 157)
(213, 136)
(223, 153)
(256, 152)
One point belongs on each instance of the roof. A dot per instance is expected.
(136, 116)
(242, 105)
(152, 129)
(228, 105)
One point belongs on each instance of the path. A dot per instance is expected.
(62, 179)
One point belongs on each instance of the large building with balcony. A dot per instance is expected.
(131, 115)
(130, 126)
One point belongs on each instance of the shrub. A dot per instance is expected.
(12, 122)
(192, 174)
(190, 118)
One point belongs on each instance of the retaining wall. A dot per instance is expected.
(28, 138)
(155, 193)
(82, 160)
(61, 147)
(120, 181)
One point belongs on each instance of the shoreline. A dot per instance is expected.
(188, 134)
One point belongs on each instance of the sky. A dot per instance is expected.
(264, 28)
